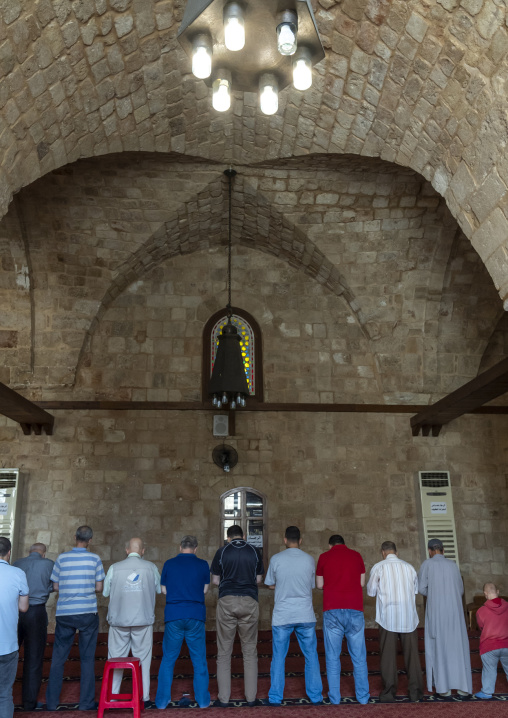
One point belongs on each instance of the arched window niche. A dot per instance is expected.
(246, 507)
(251, 345)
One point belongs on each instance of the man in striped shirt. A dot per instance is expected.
(77, 576)
(395, 584)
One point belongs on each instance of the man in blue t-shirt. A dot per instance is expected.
(185, 580)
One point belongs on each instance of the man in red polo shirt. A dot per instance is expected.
(341, 574)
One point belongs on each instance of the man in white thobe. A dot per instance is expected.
(447, 658)
(131, 585)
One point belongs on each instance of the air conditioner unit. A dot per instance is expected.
(10, 507)
(437, 511)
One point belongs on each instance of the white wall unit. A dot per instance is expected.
(10, 506)
(437, 510)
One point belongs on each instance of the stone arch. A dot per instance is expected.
(148, 344)
(497, 346)
(470, 315)
(419, 84)
(200, 224)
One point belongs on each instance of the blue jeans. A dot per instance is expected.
(338, 623)
(306, 635)
(194, 633)
(66, 626)
(8, 668)
(489, 672)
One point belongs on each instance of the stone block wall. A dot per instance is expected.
(365, 292)
(151, 474)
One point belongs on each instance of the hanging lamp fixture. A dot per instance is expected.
(228, 383)
(252, 46)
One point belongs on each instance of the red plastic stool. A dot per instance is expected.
(132, 700)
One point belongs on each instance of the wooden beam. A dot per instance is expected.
(28, 415)
(469, 398)
(107, 405)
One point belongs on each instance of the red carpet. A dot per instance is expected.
(471, 709)
(294, 696)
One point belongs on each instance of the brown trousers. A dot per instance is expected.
(389, 674)
(242, 613)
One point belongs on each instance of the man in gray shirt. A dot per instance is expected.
(132, 585)
(292, 574)
(33, 625)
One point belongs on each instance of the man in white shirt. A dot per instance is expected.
(292, 574)
(395, 584)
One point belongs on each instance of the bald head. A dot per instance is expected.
(38, 548)
(135, 545)
(490, 591)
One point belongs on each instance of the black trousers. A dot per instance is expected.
(388, 642)
(32, 633)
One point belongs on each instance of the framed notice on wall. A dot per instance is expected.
(438, 507)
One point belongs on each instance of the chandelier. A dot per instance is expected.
(251, 46)
(228, 383)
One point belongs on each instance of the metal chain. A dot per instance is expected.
(229, 245)
(230, 173)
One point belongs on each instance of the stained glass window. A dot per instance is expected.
(246, 344)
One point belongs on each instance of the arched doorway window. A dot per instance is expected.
(247, 508)
(250, 344)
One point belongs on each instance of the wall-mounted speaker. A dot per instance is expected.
(220, 425)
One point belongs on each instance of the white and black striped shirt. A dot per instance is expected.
(395, 584)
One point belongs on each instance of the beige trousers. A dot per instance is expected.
(242, 613)
(138, 640)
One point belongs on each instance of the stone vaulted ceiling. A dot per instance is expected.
(362, 244)
(419, 83)
(386, 183)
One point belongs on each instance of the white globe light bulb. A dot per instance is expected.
(201, 62)
(234, 33)
(221, 95)
(302, 73)
(268, 95)
(286, 39)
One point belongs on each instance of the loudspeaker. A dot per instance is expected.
(220, 425)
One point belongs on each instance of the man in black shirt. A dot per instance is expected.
(237, 569)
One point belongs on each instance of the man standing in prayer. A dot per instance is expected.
(394, 583)
(447, 658)
(237, 569)
(33, 625)
(492, 618)
(13, 599)
(131, 585)
(292, 574)
(185, 580)
(77, 576)
(341, 574)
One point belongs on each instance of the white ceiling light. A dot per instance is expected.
(250, 39)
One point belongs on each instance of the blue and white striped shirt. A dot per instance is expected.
(76, 572)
